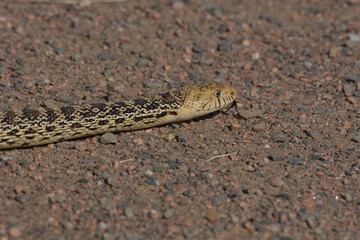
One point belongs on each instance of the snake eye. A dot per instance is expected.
(217, 93)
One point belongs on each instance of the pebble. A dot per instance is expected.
(151, 181)
(102, 225)
(50, 103)
(149, 173)
(333, 52)
(356, 139)
(189, 192)
(246, 114)
(353, 37)
(313, 134)
(278, 138)
(284, 195)
(296, 161)
(197, 49)
(308, 65)
(349, 89)
(277, 182)
(108, 138)
(129, 212)
(351, 77)
(213, 216)
(103, 55)
(155, 214)
(276, 157)
(22, 198)
(14, 232)
(142, 63)
(152, 84)
(255, 56)
(212, 8)
(75, 58)
(259, 127)
(215, 201)
(168, 213)
(207, 175)
(224, 46)
(158, 168)
(113, 181)
(348, 197)
(311, 222)
(177, 5)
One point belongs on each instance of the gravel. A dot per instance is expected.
(294, 171)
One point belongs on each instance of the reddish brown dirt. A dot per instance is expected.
(294, 168)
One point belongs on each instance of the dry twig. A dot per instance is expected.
(219, 156)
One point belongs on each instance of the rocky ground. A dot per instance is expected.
(287, 169)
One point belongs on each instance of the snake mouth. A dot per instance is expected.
(224, 102)
(218, 104)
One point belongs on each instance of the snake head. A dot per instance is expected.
(210, 97)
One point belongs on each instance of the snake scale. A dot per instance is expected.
(29, 127)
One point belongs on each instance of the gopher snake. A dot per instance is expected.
(31, 127)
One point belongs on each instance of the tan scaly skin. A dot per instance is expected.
(37, 127)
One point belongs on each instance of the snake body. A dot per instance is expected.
(29, 127)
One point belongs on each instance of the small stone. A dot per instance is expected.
(177, 5)
(224, 46)
(213, 216)
(149, 173)
(152, 84)
(259, 127)
(129, 212)
(356, 139)
(296, 161)
(102, 225)
(75, 58)
(255, 56)
(333, 52)
(206, 175)
(151, 180)
(114, 182)
(349, 89)
(18, 189)
(142, 63)
(50, 103)
(348, 197)
(197, 49)
(22, 198)
(108, 138)
(276, 157)
(248, 66)
(277, 183)
(284, 195)
(20, 61)
(103, 56)
(314, 134)
(354, 37)
(158, 168)
(351, 77)
(215, 201)
(212, 8)
(189, 192)
(308, 65)
(168, 213)
(154, 214)
(246, 114)
(311, 222)
(14, 232)
(278, 138)
(249, 168)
